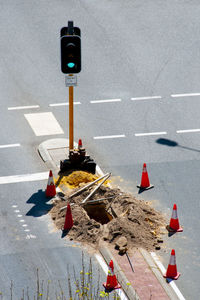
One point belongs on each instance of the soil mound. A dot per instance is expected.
(118, 214)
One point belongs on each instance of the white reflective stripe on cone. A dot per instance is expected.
(174, 214)
(50, 181)
(172, 261)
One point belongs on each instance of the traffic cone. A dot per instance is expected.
(145, 183)
(111, 283)
(174, 222)
(80, 146)
(68, 219)
(51, 188)
(172, 269)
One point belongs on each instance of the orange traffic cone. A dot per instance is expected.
(51, 188)
(80, 146)
(145, 184)
(172, 269)
(174, 222)
(111, 283)
(68, 219)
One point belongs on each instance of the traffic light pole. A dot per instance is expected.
(70, 45)
(71, 118)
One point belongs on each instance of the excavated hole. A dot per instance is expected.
(98, 213)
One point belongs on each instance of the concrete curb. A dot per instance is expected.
(51, 144)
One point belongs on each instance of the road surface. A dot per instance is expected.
(137, 100)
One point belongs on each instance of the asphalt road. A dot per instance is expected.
(129, 50)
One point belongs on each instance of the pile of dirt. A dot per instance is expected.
(119, 214)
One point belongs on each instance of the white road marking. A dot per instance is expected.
(9, 146)
(151, 133)
(24, 177)
(30, 236)
(19, 216)
(105, 101)
(109, 137)
(24, 225)
(26, 230)
(163, 271)
(146, 98)
(105, 269)
(185, 95)
(17, 210)
(22, 221)
(44, 123)
(188, 130)
(63, 104)
(14, 206)
(23, 107)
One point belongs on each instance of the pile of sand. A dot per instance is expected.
(75, 179)
(120, 214)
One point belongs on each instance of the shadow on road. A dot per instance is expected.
(64, 233)
(171, 143)
(41, 206)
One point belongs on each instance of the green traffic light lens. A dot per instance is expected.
(71, 65)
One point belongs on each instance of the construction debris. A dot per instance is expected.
(121, 244)
(117, 215)
(94, 191)
(89, 185)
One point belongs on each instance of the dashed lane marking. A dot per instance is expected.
(146, 98)
(43, 123)
(151, 133)
(23, 107)
(106, 101)
(188, 130)
(109, 137)
(63, 104)
(9, 146)
(24, 226)
(24, 178)
(185, 95)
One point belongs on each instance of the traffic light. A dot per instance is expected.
(70, 54)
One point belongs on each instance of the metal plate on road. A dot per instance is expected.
(71, 80)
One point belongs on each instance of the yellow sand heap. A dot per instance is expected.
(76, 178)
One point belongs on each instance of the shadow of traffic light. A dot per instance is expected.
(171, 143)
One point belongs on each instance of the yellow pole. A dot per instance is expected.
(71, 119)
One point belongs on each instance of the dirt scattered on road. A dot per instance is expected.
(119, 214)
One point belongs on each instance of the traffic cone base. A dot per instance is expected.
(118, 286)
(145, 188)
(180, 229)
(172, 277)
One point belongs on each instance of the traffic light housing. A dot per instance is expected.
(70, 54)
